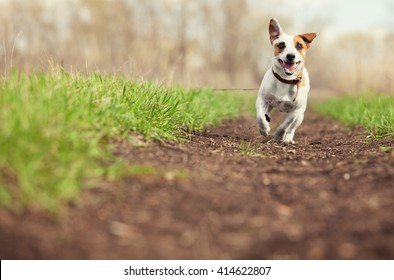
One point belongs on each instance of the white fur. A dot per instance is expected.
(276, 94)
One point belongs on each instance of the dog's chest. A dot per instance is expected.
(280, 104)
(282, 98)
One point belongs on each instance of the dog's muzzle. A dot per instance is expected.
(289, 66)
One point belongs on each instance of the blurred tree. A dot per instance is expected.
(234, 12)
(210, 25)
(183, 42)
(29, 33)
(220, 43)
(104, 29)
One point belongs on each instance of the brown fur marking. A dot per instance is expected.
(299, 40)
(278, 50)
(308, 38)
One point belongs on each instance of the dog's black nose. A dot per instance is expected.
(290, 57)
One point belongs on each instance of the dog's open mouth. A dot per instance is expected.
(289, 67)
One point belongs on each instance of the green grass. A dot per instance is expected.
(147, 170)
(55, 129)
(374, 113)
(248, 148)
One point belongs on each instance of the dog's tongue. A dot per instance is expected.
(290, 66)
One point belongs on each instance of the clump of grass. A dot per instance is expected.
(55, 129)
(248, 148)
(374, 113)
(147, 170)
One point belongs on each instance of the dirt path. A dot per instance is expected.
(330, 196)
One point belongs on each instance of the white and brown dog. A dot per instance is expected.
(285, 85)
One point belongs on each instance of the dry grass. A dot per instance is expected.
(203, 43)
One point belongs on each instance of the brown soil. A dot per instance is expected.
(330, 196)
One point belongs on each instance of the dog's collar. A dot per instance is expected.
(290, 82)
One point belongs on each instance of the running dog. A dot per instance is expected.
(285, 85)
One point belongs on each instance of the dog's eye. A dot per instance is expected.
(282, 45)
(299, 46)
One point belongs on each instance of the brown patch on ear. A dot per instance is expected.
(308, 38)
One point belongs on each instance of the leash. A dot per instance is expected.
(233, 89)
(296, 82)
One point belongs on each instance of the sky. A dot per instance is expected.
(342, 16)
(361, 15)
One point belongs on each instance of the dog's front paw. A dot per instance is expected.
(264, 127)
(283, 141)
(265, 132)
(279, 136)
(282, 137)
(288, 139)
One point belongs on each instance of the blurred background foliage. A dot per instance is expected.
(220, 43)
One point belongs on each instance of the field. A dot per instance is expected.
(374, 113)
(57, 128)
(99, 167)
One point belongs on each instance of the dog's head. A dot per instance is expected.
(289, 51)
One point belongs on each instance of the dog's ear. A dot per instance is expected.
(308, 38)
(274, 30)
